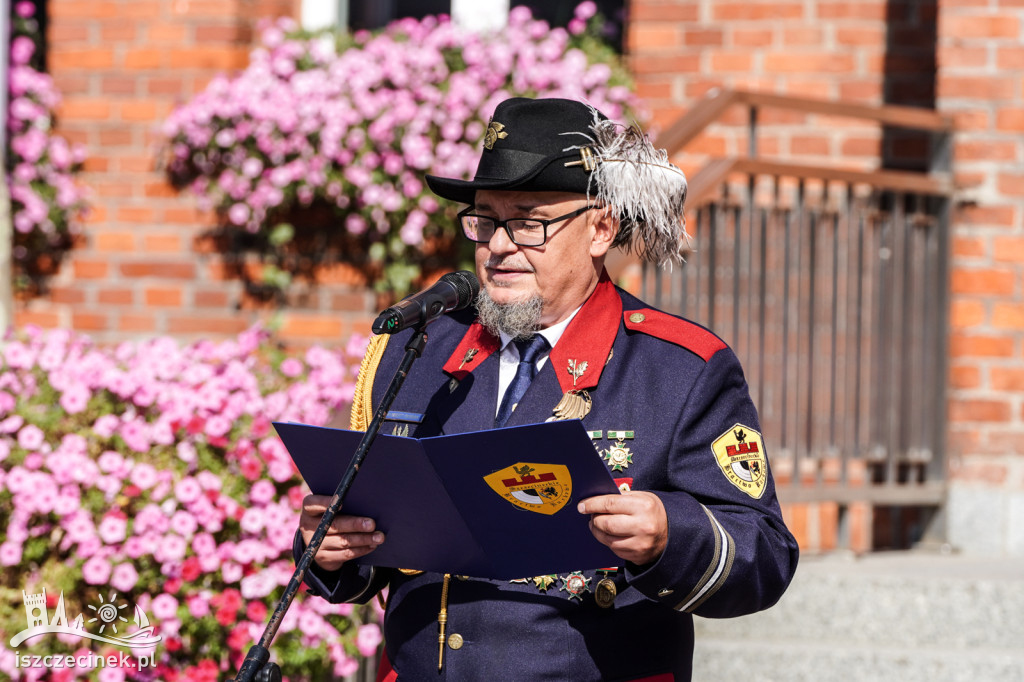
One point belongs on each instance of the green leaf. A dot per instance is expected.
(281, 234)
(276, 277)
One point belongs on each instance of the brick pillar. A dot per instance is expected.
(142, 268)
(981, 82)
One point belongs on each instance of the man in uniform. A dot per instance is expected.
(697, 528)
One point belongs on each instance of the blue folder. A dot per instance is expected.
(489, 504)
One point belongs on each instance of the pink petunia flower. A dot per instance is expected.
(124, 577)
(368, 638)
(164, 607)
(262, 492)
(143, 475)
(31, 437)
(198, 606)
(291, 368)
(109, 674)
(183, 523)
(136, 435)
(113, 528)
(106, 425)
(10, 553)
(75, 398)
(187, 490)
(96, 571)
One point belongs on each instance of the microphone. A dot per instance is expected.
(454, 291)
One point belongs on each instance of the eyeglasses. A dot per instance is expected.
(522, 231)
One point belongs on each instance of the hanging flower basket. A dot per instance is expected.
(318, 149)
(47, 203)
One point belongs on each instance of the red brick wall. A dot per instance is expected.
(965, 58)
(981, 55)
(867, 51)
(142, 268)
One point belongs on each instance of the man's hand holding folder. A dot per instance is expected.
(349, 537)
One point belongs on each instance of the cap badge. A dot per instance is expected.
(493, 134)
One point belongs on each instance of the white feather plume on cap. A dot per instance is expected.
(633, 178)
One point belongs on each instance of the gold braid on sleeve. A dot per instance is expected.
(362, 405)
(362, 401)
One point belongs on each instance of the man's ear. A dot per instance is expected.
(605, 226)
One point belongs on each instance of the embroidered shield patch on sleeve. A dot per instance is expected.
(740, 454)
(541, 488)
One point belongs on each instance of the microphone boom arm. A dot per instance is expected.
(257, 667)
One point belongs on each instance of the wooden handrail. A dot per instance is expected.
(914, 118)
(707, 181)
(710, 108)
(692, 123)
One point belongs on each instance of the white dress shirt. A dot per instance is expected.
(510, 354)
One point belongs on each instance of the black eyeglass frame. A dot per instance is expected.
(544, 222)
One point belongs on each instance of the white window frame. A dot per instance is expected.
(475, 15)
(480, 15)
(319, 14)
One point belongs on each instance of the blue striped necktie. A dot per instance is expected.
(529, 351)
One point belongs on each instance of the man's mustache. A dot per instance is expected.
(512, 264)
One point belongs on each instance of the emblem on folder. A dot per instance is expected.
(740, 454)
(541, 488)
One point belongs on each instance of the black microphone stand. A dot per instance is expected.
(257, 666)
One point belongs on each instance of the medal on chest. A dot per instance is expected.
(618, 456)
(576, 584)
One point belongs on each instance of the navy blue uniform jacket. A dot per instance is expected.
(695, 443)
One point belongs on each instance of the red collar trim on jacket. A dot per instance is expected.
(475, 347)
(583, 348)
(580, 355)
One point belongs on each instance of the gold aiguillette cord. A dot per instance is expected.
(442, 619)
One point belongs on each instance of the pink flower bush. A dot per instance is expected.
(165, 484)
(352, 123)
(46, 201)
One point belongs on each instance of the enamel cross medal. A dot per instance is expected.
(618, 455)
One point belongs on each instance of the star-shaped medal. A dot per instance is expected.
(618, 457)
(576, 584)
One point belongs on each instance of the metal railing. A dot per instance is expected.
(832, 287)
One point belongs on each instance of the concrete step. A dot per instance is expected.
(904, 616)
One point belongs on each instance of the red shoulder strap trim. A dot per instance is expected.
(385, 673)
(476, 345)
(581, 354)
(675, 330)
